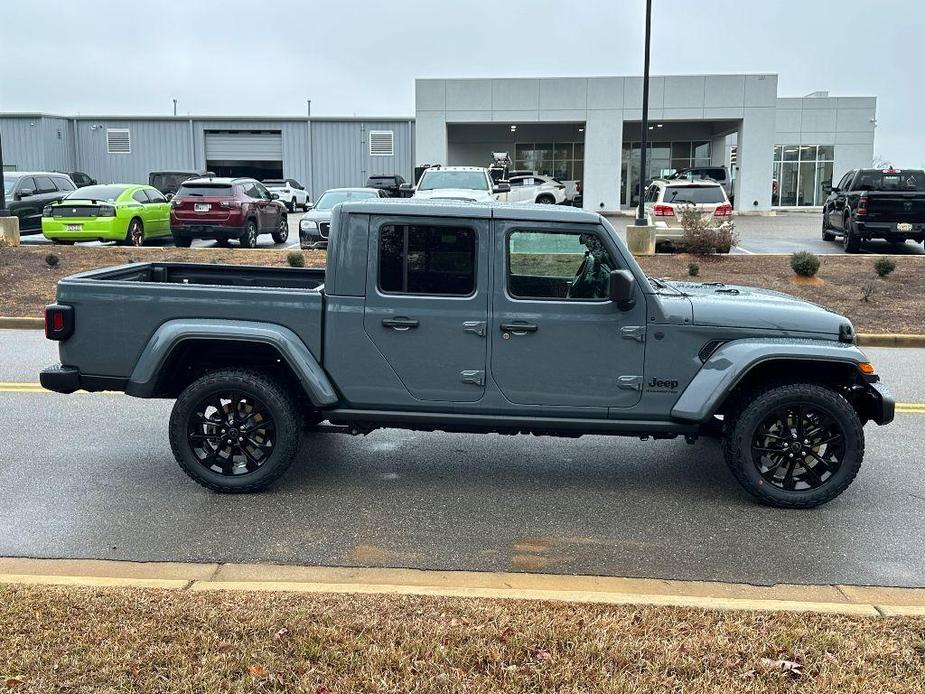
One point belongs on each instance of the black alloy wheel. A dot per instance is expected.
(798, 447)
(231, 433)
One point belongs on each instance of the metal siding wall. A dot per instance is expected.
(341, 153)
(58, 152)
(156, 144)
(23, 143)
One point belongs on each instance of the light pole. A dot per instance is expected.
(641, 212)
(3, 211)
(174, 108)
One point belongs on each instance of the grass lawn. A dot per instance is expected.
(57, 639)
(894, 304)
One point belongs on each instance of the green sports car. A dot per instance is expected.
(126, 213)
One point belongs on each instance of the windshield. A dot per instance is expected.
(9, 182)
(697, 195)
(334, 197)
(206, 190)
(468, 180)
(908, 180)
(107, 193)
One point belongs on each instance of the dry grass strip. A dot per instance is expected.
(55, 639)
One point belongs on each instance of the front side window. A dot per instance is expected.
(556, 265)
(423, 259)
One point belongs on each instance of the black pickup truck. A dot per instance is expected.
(875, 204)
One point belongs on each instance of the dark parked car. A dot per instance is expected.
(81, 180)
(224, 209)
(28, 192)
(391, 184)
(875, 204)
(169, 181)
(472, 317)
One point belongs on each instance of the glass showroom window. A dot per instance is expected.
(663, 159)
(562, 160)
(800, 171)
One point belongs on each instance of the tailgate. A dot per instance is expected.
(896, 207)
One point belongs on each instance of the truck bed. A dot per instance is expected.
(117, 310)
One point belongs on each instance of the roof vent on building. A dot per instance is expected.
(118, 141)
(381, 143)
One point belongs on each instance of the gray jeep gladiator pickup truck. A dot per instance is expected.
(471, 317)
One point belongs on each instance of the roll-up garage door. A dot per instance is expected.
(244, 145)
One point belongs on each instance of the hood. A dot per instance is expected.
(318, 215)
(455, 194)
(734, 306)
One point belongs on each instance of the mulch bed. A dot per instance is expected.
(849, 284)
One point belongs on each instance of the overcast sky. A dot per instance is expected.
(267, 57)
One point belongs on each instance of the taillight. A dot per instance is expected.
(236, 204)
(46, 211)
(861, 209)
(59, 321)
(663, 211)
(106, 211)
(723, 210)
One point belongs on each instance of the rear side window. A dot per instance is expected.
(43, 184)
(206, 190)
(154, 195)
(427, 260)
(64, 185)
(697, 195)
(139, 196)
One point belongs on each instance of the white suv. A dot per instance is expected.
(665, 198)
(536, 188)
(291, 193)
(460, 183)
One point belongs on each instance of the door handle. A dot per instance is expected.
(519, 328)
(400, 324)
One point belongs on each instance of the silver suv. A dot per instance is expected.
(665, 199)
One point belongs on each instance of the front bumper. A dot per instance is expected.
(877, 403)
(91, 228)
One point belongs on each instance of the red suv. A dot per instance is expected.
(226, 208)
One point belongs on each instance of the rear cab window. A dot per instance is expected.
(427, 259)
(906, 180)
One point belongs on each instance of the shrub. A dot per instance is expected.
(884, 266)
(704, 234)
(693, 269)
(295, 259)
(805, 264)
(52, 260)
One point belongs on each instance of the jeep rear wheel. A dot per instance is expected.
(235, 430)
(795, 446)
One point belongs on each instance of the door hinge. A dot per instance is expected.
(476, 327)
(629, 382)
(476, 378)
(633, 332)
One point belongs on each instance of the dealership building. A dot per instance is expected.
(779, 150)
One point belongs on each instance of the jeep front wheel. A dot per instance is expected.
(795, 446)
(235, 430)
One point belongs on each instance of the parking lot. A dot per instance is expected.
(781, 233)
(111, 489)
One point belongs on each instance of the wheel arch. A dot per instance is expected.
(182, 350)
(739, 366)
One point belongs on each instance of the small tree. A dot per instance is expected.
(805, 264)
(693, 269)
(295, 259)
(705, 234)
(884, 266)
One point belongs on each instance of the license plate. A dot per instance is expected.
(904, 226)
(74, 227)
(202, 207)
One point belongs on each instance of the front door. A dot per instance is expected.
(427, 303)
(556, 339)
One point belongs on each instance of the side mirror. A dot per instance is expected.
(274, 196)
(309, 205)
(621, 289)
(169, 197)
(502, 187)
(25, 193)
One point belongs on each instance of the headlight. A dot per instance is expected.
(307, 224)
(46, 211)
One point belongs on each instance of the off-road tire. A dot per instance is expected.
(851, 241)
(281, 235)
(283, 408)
(827, 234)
(249, 237)
(744, 422)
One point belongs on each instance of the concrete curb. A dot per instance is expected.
(864, 339)
(831, 599)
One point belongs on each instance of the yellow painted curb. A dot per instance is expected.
(8, 323)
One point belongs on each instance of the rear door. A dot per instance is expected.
(556, 339)
(158, 210)
(427, 303)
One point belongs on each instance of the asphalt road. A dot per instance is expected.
(92, 476)
(782, 233)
